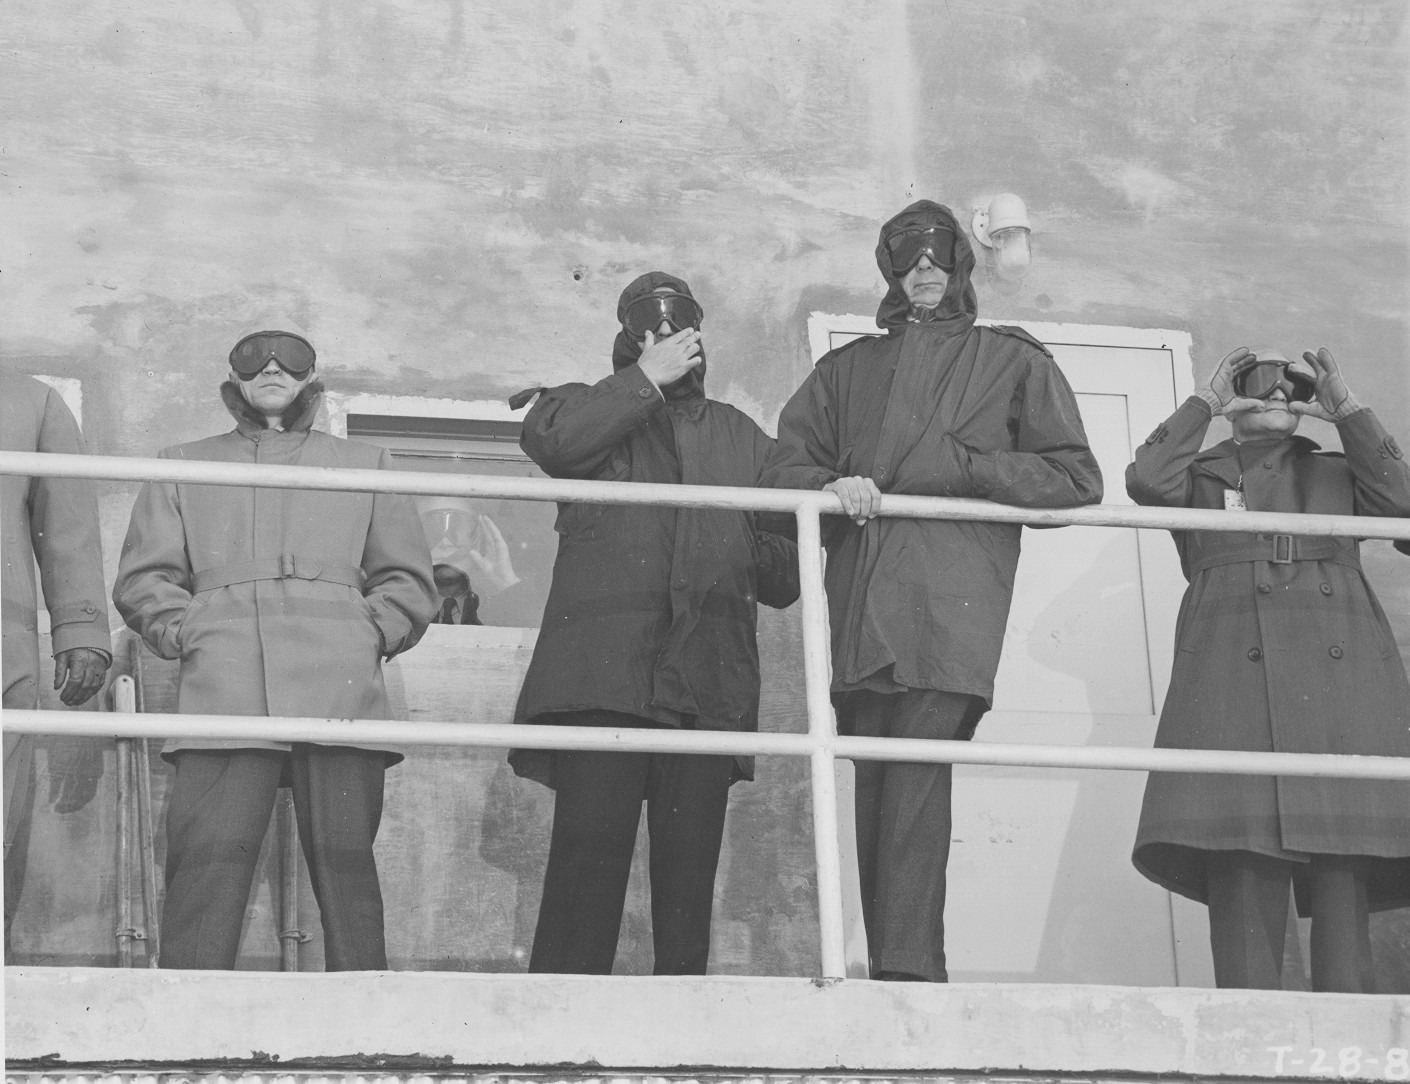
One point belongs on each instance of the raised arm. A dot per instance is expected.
(571, 431)
(1378, 466)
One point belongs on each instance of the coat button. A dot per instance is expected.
(1254, 654)
(90, 609)
(1335, 652)
(1326, 589)
(1263, 589)
(1267, 464)
(644, 393)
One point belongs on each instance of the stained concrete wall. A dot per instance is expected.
(448, 197)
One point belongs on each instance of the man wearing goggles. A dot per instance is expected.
(941, 407)
(662, 313)
(279, 603)
(650, 622)
(270, 369)
(1283, 648)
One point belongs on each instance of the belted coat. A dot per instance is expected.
(277, 602)
(1280, 646)
(653, 609)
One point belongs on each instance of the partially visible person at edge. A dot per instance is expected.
(650, 622)
(52, 522)
(278, 602)
(937, 407)
(1281, 646)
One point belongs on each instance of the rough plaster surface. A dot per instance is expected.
(81, 1016)
(448, 197)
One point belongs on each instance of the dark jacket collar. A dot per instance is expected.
(298, 417)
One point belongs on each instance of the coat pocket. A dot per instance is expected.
(187, 628)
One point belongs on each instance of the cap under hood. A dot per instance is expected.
(959, 306)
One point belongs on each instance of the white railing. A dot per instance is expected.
(821, 744)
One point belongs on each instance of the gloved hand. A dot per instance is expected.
(1334, 400)
(1219, 392)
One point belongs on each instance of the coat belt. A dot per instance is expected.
(1282, 549)
(286, 567)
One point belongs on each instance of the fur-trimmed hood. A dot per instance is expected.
(298, 416)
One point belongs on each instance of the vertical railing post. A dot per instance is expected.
(822, 728)
(125, 931)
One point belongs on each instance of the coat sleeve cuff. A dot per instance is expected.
(1362, 433)
(83, 623)
(639, 385)
(983, 473)
(165, 641)
(394, 626)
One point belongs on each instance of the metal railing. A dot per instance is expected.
(821, 744)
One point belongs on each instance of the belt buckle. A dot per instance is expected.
(1282, 549)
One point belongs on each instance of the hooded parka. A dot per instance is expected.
(278, 602)
(1280, 646)
(652, 610)
(937, 407)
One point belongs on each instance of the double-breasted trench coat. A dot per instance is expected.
(1280, 646)
(936, 407)
(277, 602)
(653, 609)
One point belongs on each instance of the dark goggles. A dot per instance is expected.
(292, 353)
(1259, 380)
(906, 249)
(646, 313)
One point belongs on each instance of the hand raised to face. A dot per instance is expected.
(664, 361)
(1334, 400)
(1221, 384)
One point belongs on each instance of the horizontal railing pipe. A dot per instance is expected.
(133, 469)
(664, 740)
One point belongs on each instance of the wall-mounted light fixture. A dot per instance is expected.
(1003, 227)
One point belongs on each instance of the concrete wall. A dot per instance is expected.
(447, 197)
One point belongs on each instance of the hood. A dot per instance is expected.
(298, 416)
(626, 350)
(959, 307)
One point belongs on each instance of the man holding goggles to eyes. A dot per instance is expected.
(650, 622)
(1282, 646)
(281, 603)
(939, 407)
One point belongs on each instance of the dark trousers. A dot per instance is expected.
(1248, 920)
(903, 828)
(217, 816)
(595, 815)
